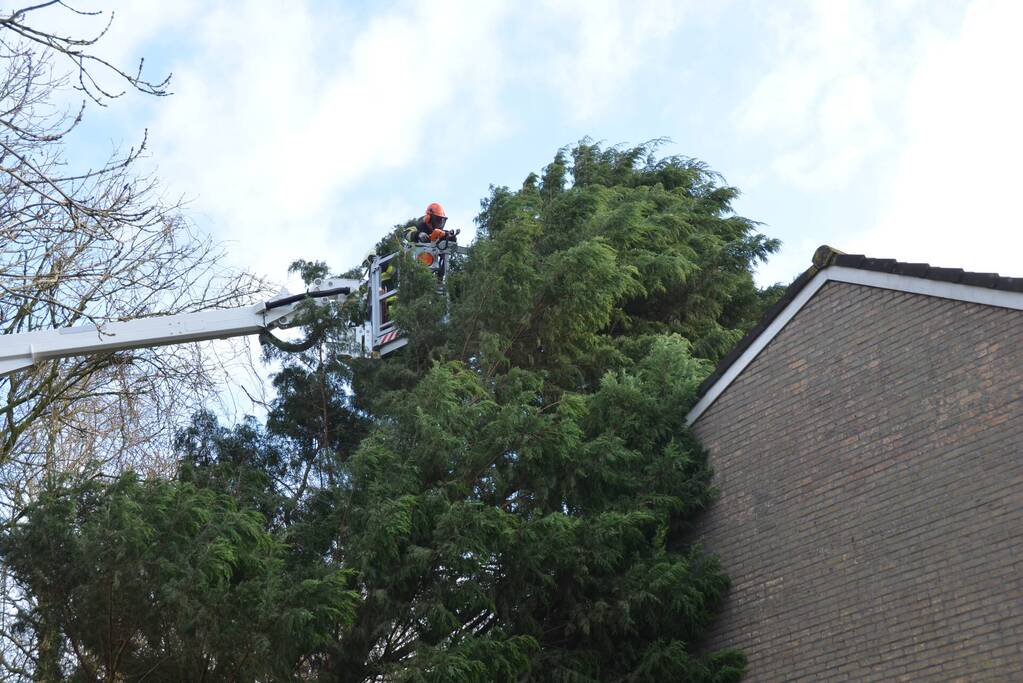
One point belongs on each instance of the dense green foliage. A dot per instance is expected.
(510, 497)
(167, 581)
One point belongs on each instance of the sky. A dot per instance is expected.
(307, 129)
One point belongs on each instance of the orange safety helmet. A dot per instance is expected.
(435, 211)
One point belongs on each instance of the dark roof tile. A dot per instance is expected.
(882, 265)
(1010, 284)
(849, 260)
(980, 279)
(911, 269)
(945, 274)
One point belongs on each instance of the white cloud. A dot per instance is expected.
(288, 125)
(281, 119)
(278, 114)
(601, 44)
(895, 126)
(835, 71)
(137, 23)
(951, 202)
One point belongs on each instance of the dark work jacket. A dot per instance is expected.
(412, 232)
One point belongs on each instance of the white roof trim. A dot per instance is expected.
(920, 285)
(870, 278)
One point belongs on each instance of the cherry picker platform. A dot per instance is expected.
(383, 291)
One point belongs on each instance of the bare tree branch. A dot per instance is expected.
(75, 51)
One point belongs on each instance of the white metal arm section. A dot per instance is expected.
(18, 351)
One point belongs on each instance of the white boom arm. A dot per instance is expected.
(18, 351)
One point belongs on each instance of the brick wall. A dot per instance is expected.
(871, 476)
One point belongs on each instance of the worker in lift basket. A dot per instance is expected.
(429, 228)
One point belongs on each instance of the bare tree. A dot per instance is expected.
(91, 246)
(82, 246)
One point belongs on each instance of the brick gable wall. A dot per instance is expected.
(871, 476)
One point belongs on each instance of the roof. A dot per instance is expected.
(829, 264)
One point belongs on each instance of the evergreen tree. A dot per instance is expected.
(166, 581)
(511, 496)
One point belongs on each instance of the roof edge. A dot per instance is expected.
(830, 264)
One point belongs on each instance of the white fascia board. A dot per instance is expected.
(754, 349)
(856, 276)
(919, 285)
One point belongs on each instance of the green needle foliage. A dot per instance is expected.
(511, 497)
(165, 581)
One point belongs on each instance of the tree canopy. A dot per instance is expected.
(511, 496)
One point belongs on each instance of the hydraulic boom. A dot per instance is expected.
(19, 351)
(377, 337)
